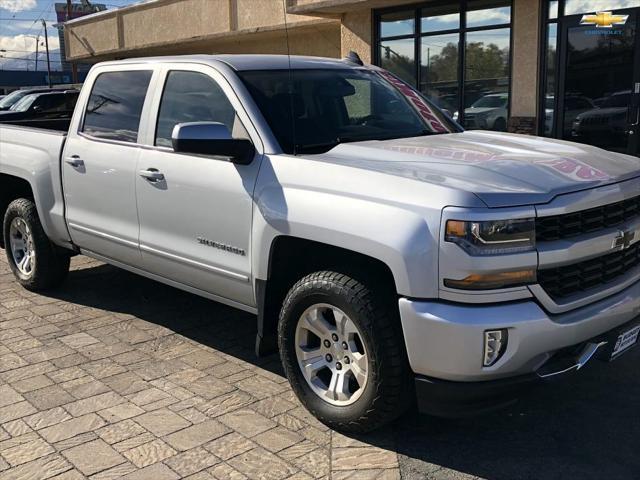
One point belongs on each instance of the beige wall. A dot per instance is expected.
(356, 34)
(525, 58)
(197, 26)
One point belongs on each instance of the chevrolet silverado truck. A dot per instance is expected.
(388, 255)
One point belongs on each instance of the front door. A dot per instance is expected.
(196, 211)
(600, 81)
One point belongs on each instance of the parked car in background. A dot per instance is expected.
(574, 105)
(487, 113)
(606, 124)
(46, 109)
(17, 95)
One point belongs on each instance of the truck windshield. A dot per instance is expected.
(333, 106)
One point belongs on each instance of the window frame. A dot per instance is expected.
(463, 7)
(83, 102)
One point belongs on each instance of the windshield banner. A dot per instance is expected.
(423, 108)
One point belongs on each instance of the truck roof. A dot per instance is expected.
(246, 61)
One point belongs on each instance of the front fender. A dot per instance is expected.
(405, 240)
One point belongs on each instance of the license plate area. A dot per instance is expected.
(626, 340)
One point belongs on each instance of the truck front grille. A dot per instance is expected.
(570, 225)
(563, 281)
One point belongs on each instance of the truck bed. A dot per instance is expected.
(58, 125)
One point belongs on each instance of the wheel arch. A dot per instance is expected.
(12, 188)
(291, 258)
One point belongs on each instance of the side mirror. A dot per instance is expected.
(213, 139)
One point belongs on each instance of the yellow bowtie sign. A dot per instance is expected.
(604, 20)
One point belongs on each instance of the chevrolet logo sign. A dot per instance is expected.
(604, 20)
(623, 240)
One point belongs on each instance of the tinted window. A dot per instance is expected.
(56, 102)
(191, 97)
(115, 105)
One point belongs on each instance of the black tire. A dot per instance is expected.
(500, 125)
(389, 388)
(51, 264)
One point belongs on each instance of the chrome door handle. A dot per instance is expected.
(75, 161)
(152, 175)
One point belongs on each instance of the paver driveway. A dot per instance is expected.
(117, 376)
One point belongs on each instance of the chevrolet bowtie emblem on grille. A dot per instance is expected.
(604, 20)
(623, 240)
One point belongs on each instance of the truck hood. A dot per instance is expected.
(502, 169)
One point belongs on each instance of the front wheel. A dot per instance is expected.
(343, 352)
(35, 262)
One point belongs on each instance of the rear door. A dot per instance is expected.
(99, 164)
(195, 223)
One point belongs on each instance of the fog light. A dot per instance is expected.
(495, 344)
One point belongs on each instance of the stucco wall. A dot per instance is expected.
(356, 33)
(525, 60)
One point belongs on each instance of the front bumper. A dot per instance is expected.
(445, 340)
(458, 399)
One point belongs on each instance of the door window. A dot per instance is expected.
(115, 105)
(191, 97)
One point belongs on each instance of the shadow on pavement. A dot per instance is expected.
(584, 427)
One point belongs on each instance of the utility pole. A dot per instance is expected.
(37, 46)
(74, 67)
(46, 43)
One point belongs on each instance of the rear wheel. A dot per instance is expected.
(343, 352)
(36, 263)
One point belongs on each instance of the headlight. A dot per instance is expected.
(494, 237)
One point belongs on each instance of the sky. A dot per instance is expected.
(20, 24)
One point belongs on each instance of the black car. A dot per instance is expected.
(14, 97)
(50, 109)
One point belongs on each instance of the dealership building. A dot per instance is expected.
(566, 69)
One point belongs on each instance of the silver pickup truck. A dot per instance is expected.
(388, 254)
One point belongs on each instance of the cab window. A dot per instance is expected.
(192, 97)
(115, 105)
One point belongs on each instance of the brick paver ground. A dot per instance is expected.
(116, 376)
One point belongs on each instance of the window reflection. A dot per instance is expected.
(439, 70)
(553, 9)
(436, 40)
(550, 82)
(440, 18)
(487, 79)
(396, 24)
(398, 56)
(484, 13)
(573, 7)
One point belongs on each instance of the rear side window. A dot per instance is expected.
(115, 105)
(191, 97)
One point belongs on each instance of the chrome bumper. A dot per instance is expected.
(445, 340)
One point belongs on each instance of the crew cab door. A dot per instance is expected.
(99, 164)
(195, 211)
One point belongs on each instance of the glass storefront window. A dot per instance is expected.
(437, 38)
(397, 24)
(550, 81)
(440, 18)
(485, 13)
(573, 7)
(398, 56)
(439, 70)
(487, 79)
(553, 9)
